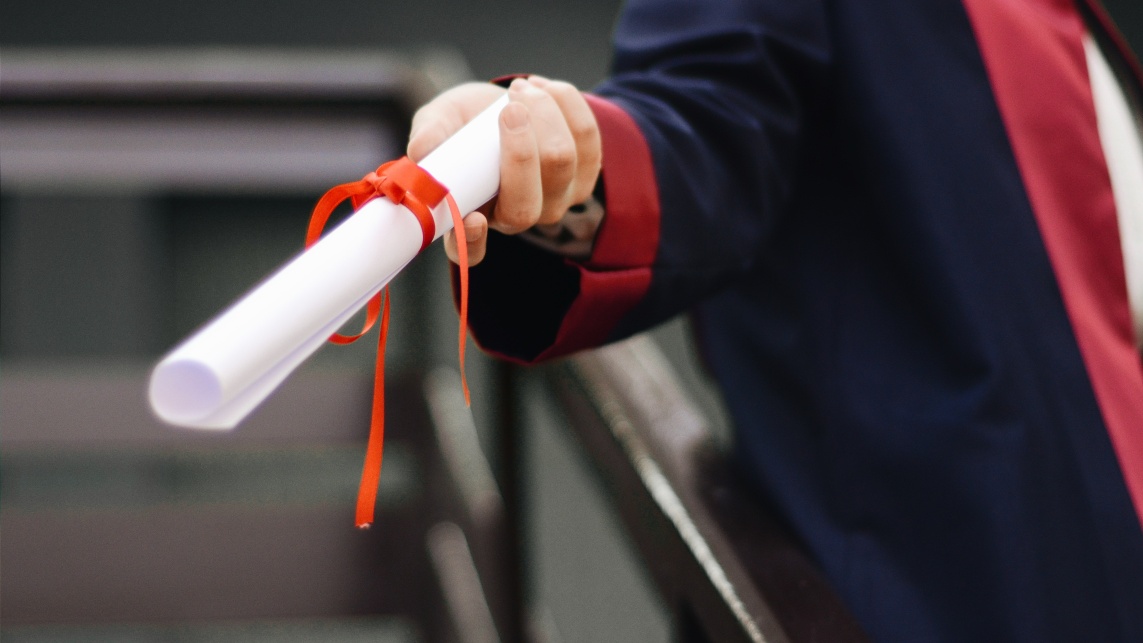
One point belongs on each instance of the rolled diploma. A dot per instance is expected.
(220, 374)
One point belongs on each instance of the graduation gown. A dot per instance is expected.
(892, 224)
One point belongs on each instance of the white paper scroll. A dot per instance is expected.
(224, 371)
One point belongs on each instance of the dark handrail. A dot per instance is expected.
(719, 559)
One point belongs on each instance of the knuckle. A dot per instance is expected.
(583, 129)
(535, 96)
(559, 157)
(562, 89)
(512, 220)
(583, 191)
(520, 155)
(552, 215)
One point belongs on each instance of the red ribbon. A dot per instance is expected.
(405, 183)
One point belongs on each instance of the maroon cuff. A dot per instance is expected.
(629, 235)
(618, 274)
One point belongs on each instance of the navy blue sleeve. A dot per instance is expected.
(702, 121)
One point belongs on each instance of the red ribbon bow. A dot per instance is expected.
(405, 183)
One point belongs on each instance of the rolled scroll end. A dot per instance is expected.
(185, 393)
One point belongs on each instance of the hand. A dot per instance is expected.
(549, 149)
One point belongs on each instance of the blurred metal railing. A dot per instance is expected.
(721, 562)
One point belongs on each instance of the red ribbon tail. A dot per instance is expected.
(371, 473)
(403, 182)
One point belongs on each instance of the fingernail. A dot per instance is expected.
(473, 232)
(515, 117)
(538, 81)
(519, 85)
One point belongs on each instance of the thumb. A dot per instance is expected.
(476, 237)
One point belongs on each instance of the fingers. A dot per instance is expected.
(476, 236)
(584, 131)
(567, 148)
(521, 186)
(550, 152)
(556, 146)
(441, 117)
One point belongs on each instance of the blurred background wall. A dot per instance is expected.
(562, 39)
